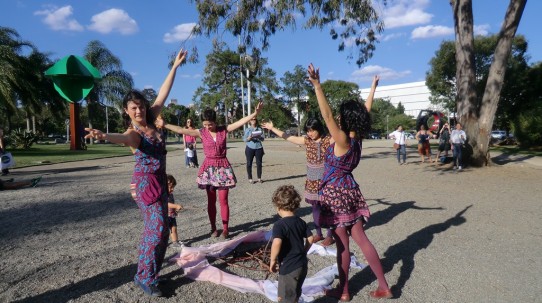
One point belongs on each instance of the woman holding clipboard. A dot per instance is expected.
(254, 137)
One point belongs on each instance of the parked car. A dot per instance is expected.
(375, 136)
(498, 134)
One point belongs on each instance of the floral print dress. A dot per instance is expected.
(316, 151)
(215, 172)
(149, 191)
(342, 203)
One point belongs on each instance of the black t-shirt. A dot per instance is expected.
(293, 231)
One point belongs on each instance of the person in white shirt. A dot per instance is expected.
(457, 138)
(400, 138)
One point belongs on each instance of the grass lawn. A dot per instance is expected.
(56, 153)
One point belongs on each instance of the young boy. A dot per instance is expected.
(289, 247)
(172, 213)
(190, 155)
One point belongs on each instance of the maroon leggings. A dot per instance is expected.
(224, 207)
(342, 239)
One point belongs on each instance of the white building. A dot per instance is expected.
(414, 96)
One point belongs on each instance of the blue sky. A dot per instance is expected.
(143, 33)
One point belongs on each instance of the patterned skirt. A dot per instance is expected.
(216, 177)
(341, 207)
(311, 191)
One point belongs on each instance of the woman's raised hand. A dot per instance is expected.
(314, 74)
(180, 58)
(94, 134)
(259, 107)
(267, 125)
(376, 78)
(159, 122)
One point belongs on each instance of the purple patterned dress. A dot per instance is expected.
(342, 203)
(149, 190)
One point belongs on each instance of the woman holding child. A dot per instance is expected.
(148, 185)
(343, 207)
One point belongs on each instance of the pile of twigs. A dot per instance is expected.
(251, 258)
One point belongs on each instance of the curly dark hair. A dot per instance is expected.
(354, 117)
(286, 198)
(136, 96)
(315, 124)
(208, 115)
(171, 180)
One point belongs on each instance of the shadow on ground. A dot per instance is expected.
(403, 252)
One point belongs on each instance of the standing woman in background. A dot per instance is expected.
(148, 186)
(253, 137)
(187, 139)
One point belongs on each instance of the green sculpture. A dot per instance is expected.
(73, 77)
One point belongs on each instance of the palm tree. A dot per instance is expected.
(14, 84)
(115, 82)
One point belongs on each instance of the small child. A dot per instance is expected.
(289, 248)
(190, 155)
(172, 213)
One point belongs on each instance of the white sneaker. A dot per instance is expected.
(460, 168)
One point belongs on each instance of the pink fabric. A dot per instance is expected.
(195, 266)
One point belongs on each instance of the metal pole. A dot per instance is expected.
(387, 129)
(242, 86)
(248, 94)
(106, 121)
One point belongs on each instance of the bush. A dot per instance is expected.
(528, 128)
(23, 139)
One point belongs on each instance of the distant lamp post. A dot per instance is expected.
(387, 129)
(178, 114)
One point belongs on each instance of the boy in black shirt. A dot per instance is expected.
(289, 248)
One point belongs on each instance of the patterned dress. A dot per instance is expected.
(215, 172)
(149, 190)
(342, 203)
(315, 167)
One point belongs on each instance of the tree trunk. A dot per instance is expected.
(466, 98)
(492, 92)
(477, 118)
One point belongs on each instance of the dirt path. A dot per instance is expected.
(443, 236)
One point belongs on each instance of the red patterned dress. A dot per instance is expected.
(215, 171)
(342, 203)
(316, 151)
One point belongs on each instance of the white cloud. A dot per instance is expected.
(391, 36)
(481, 30)
(60, 19)
(113, 20)
(180, 32)
(406, 13)
(431, 31)
(368, 72)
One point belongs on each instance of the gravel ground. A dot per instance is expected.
(443, 236)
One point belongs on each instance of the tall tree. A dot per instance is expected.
(441, 78)
(295, 89)
(14, 69)
(478, 116)
(115, 82)
(220, 87)
(256, 21)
